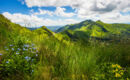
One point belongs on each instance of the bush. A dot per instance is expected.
(110, 71)
(20, 59)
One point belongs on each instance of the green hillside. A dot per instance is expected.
(10, 31)
(96, 29)
(44, 55)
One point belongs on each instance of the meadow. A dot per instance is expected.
(43, 55)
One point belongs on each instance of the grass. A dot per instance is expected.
(59, 58)
(75, 61)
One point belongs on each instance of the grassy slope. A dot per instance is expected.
(69, 61)
(96, 29)
(9, 30)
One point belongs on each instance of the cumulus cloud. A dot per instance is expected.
(85, 7)
(61, 12)
(58, 12)
(43, 12)
(108, 11)
(34, 21)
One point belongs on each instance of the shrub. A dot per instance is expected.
(20, 59)
(110, 71)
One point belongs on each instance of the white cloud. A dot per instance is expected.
(88, 8)
(61, 12)
(43, 12)
(40, 3)
(58, 12)
(34, 21)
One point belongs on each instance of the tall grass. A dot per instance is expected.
(66, 60)
(59, 61)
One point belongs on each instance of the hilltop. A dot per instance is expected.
(98, 29)
(9, 31)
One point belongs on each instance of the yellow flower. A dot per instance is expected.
(127, 79)
(121, 73)
(122, 70)
(118, 66)
(116, 70)
(113, 65)
(117, 75)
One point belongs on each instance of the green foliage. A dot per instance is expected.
(20, 58)
(109, 71)
(70, 55)
(96, 29)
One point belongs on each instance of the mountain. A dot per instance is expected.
(43, 30)
(33, 28)
(98, 29)
(53, 28)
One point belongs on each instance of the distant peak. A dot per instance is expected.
(88, 20)
(99, 21)
(43, 26)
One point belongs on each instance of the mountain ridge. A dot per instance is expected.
(98, 29)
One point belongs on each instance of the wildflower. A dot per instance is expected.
(7, 49)
(17, 53)
(32, 70)
(34, 48)
(36, 54)
(33, 44)
(122, 70)
(26, 45)
(0, 54)
(10, 45)
(113, 65)
(121, 73)
(27, 58)
(24, 49)
(12, 49)
(116, 69)
(18, 48)
(117, 75)
(7, 61)
(119, 66)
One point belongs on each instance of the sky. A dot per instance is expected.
(36, 13)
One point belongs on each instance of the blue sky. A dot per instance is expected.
(35, 13)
